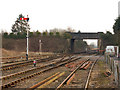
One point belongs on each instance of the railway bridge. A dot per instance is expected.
(81, 36)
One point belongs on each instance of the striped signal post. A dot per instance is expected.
(27, 36)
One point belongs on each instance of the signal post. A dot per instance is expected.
(27, 36)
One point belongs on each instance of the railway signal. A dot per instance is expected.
(27, 36)
(27, 19)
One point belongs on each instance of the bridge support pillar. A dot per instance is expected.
(99, 44)
(72, 45)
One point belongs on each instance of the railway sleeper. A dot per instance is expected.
(19, 80)
(84, 65)
(29, 76)
(23, 64)
(15, 81)
(39, 72)
(87, 66)
(68, 77)
(22, 79)
(6, 86)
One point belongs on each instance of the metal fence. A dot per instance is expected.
(114, 67)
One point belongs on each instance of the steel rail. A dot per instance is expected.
(89, 75)
(17, 57)
(8, 67)
(23, 72)
(50, 81)
(12, 83)
(22, 62)
(71, 75)
(36, 85)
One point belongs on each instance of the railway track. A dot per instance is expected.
(28, 67)
(72, 75)
(83, 65)
(24, 63)
(52, 78)
(54, 65)
(89, 75)
(22, 58)
(33, 69)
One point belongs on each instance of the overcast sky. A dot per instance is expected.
(83, 15)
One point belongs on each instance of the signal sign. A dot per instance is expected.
(25, 18)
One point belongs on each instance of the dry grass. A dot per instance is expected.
(98, 79)
(49, 44)
(11, 53)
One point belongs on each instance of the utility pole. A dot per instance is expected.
(40, 46)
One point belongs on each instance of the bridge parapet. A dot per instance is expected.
(81, 36)
(85, 35)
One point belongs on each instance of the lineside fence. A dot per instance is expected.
(114, 67)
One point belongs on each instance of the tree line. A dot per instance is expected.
(20, 27)
(19, 31)
(22, 35)
(112, 39)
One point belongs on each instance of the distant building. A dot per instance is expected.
(119, 8)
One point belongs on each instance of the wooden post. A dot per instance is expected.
(113, 67)
(111, 62)
(118, 75)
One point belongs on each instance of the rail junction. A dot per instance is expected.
(58, 72)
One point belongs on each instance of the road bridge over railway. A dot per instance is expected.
(81, 36)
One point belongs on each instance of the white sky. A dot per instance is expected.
(83, 15)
